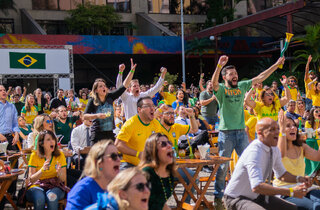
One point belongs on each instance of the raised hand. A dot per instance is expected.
(189, 112)
(282, 120)
(309, 58)
(223, 60)
(121, 67)
(284, 80)
(165, 83)
(163, 71)
(133, 65)
(183, 85)
(280, 61)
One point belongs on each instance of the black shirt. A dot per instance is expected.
(55, 103)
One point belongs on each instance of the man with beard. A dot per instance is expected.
(135, 131)
(130, 99)
(230, 96)
(309, 76)
(170, 96)
(58, 101)
(209, 104)
(293, 87)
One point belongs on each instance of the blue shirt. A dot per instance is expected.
(83, 194)
(174, 105)
(8, 118)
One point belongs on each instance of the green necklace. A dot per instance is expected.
(164, 189)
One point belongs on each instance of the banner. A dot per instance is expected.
(27, 60)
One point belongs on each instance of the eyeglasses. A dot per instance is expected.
(165, 143)
(49, 121)
(142, 186)
(168, 113)
(114, 156)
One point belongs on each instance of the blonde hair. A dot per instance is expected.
(38, 125)
(27, 106)
(122, 182)
(94, 158)
(93, 94)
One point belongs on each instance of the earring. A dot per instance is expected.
(100, 169)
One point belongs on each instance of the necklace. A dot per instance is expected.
(164, 189)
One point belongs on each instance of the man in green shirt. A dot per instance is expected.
(17, 103)
(230, 96)
(64, 124)
(209, 104)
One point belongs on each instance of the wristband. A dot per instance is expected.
(291, 192)
(137, 155)
(297, 178)
(160, 110)
(219, 66)
(132, 70)
(120, 72)
(282, 134)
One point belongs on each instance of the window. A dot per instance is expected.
(120, 5)
(6, 26)
(192, 7)
(53, 26)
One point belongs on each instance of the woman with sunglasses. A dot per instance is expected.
(313, 120)
(158, 161)
(41, 122)
(268, 104)
(294, 152)
(47, 173)
(129, 190)
(101, 166)
(314, 93)
(100, 107)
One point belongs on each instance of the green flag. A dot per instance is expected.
(27, 60)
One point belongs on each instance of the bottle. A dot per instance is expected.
(174, 152)
(216, 126)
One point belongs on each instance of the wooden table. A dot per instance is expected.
(12, 158)
(216, 161)
(5, 182)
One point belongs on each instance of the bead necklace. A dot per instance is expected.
(164, 189)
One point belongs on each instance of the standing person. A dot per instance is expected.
(247, 188)
(58, 101)
(83, 100)
(100, 108)
(309, 76)
(48, 173)
(64, 124)
(18, 104)
(293, 87)
(30, 110)
(40, 101)
(170, 96)
(230, 96)
(130, 99)
(209, 104)
(101, 166)
(314, 92)
(158, 161)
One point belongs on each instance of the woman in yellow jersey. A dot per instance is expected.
(48, 173)
(83, 100)
(293, 152)
(314, 118)
(301, 110)
(268, 104)
(314, 93)
(30, 110)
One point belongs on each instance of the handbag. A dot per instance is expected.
(22, 192)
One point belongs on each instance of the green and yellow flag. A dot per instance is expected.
(27, 60)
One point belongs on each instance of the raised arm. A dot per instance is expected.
(119, 77)
(201, 83)
(247, 99)
(194, 127)
(306, 73)
(215, 77)
(264, 75)
(310, 83)
(165, 83)
(282, 142)
(287, 95)
(130, 75)
(151, 92)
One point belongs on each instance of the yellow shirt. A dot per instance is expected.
(294, 166)
(247, 115)
(308, 125)
(267, 111)
(306, 82)
(251, 124)
(175, 131)
(169, 98)
(294, 93)
(258, 93)
(315, 97)
(135, 133)
(29, 116)
(37, 162)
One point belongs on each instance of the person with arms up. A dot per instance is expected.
(247, 188)
(170, 96)
(230, 96)
(309, 76)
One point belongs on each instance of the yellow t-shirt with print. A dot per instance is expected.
(267, 111)
(168, 97)
(294, 93)
(37, 162)
(175, 131)
(251, 124)
(29, 116)
(135, 133)
(315, 97)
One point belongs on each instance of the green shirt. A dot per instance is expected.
(26, 132)
(230, 102)
(19, 106)
(65, 129)
(157, 197)
(209, 110)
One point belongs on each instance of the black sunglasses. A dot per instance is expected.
(141, 186)
(165, 143)
(114, 156)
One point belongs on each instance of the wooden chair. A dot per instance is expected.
(84, 151)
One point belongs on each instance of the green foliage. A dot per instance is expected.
(5, 5)
(312, 44)
(170, 78)
(92, 19)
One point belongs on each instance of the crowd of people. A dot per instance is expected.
(124, 139)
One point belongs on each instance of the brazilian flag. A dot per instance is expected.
(27, 60)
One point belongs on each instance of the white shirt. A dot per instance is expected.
(250, 169)
(30, 140)
(130, 101)
(79, 138)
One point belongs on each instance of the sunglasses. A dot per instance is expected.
(168, 113)
(142, 186)
(293, 81)
(114, 156)
(49, 121)
(269, 94)
(165, 143)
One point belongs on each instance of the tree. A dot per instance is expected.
(311, 41)
(170, 78)
(92, 19)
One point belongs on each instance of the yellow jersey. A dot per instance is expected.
(251, 124)
(135, 133)
(293, 91)
(267, 111)
(29, 116)
(315, 97)
(306, 82)
(175, 131)
(169, 98)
